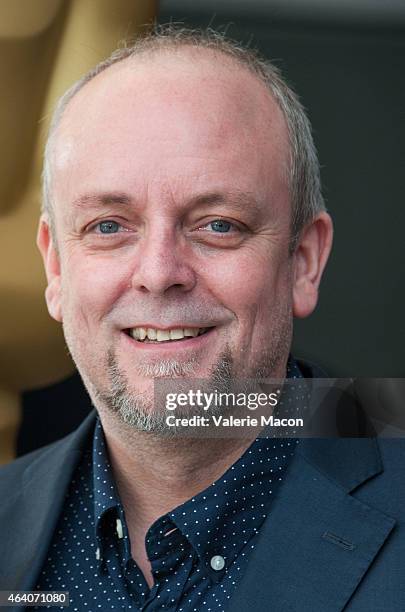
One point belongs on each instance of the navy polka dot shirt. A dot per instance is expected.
(198, 551)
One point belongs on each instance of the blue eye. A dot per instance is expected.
(108, 227)
(221, 226)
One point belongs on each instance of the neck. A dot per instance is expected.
(155, 475)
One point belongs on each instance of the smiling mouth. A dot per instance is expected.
(155, 336)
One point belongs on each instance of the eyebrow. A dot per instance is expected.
(237, 199)
(102, 199)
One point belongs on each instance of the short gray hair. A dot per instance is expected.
(304, 173)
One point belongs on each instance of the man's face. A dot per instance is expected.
(172, 212)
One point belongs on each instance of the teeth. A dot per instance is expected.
(163, 335)
(176, 334)
(139, 333)
(152, 333)
(192, 332)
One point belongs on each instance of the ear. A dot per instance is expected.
(310, 259)
(45, 243)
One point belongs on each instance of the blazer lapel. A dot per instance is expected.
(318, 541)
(29, 519)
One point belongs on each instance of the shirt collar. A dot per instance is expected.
(293, 370)
(108, 510)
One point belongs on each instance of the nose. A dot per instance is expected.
(163, 264)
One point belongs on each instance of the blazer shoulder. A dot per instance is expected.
(11, 473)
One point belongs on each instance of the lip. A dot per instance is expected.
(171, 326)
(170, 346)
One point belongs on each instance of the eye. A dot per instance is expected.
(108, 233)
(222, 233)
(220, 226)
(108, 227)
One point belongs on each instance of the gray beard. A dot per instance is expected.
(139, 410)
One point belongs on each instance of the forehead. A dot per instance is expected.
(177, 116)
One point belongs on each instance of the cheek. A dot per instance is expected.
(90, 287)
(248, 285)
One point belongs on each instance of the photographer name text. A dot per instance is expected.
(231, 421)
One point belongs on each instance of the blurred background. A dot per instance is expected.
(346, 60)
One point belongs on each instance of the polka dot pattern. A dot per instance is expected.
(198, 552)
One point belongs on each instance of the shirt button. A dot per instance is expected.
(120, 531)
(217, 563)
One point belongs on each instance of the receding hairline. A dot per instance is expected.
(147, 56)
(267, 101)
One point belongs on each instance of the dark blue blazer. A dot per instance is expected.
(334, 539)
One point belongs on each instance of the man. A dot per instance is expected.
(183, 228)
